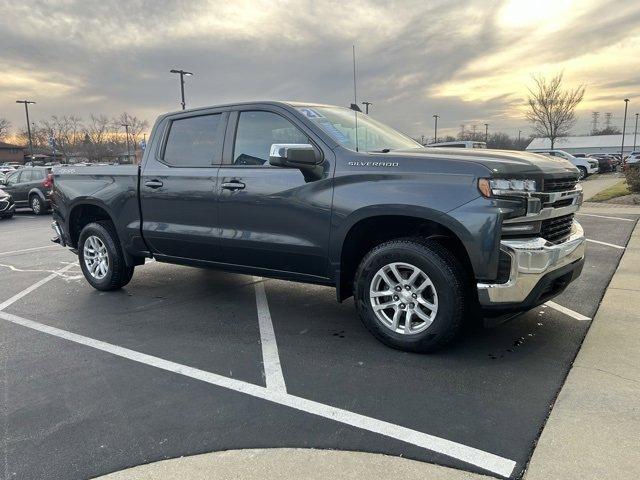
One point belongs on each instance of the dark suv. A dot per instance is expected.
(30, 187)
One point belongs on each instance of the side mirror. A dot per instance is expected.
(293, 155)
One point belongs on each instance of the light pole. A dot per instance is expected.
(435, 135)
(519, 134)
(635, 134)
(26, 110)
(624, 127)
(126, 129)
(486, 132)
(366, 107)
(182, 73)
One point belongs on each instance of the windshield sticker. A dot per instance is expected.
(331, 129)
(310, 112)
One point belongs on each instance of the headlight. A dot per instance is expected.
(495, 187)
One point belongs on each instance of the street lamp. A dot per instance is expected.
(624, 127)
(126, 128)
(635, 134)
(486, 133)
(435, 135)
(26, 111)
(182, 73)
(366, 106)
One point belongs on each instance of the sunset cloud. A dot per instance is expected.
(468, 61)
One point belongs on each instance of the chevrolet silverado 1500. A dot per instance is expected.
(421, 237)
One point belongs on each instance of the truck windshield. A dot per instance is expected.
(340, 124)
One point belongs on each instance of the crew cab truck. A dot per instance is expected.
(421, 237)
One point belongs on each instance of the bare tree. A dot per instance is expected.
(5, 126)
(66, 131)
(552, 108)
(100, 137)
(137, 127)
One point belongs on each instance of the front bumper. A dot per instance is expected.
(593, 169)
(539, 270)
(7, 207)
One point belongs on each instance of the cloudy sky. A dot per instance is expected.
(468, 61)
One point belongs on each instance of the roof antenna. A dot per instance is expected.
(355, 95)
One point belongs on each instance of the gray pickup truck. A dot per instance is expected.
(423, 238)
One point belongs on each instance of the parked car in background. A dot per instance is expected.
(586, 166)
(7, 169)
(30, 187)
(633, 159)
(7, 207)
(606, 162)
(460, 144)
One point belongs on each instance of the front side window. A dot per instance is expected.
(369, 136)
(193, 141)
(257, 131)
(12, 179)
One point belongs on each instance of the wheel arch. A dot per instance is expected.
(36, 191)
(376, 226)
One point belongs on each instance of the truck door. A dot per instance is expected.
(178, 192)
(273, 217)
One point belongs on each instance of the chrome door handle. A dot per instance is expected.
(233, 185)
(153, 183)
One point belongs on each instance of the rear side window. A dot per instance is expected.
(194, 141)
(35, 175)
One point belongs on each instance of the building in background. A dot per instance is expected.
(11, 153)
(586, 144)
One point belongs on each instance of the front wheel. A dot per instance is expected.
(101, 258)
(411, 294)
(583, 173)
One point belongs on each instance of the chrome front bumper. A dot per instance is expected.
(531, 260)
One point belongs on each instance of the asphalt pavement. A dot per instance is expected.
(87, 392)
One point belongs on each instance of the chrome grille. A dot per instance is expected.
(556, 229)
(559, 184)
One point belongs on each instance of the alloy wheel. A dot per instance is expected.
(96, 257)
(403, 298)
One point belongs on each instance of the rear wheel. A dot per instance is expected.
(37, 205)
(411, 294)
(101, 258)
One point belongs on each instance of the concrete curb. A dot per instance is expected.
(592, 432)
(288, 464)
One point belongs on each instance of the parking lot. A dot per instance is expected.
(184, 361)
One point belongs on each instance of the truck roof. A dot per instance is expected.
(281, 103)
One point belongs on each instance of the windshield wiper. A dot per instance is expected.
(383, 150)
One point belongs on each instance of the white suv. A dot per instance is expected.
(587, 166)
(634, 157)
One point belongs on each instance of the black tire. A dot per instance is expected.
(37, 205)
(449, 279)
(118, 273)
(583, 173)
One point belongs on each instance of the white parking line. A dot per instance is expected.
(605, 216)
(473, 456)
(30, 289)
(270, 358)
(25, 250)
(607, 244)
(567, 311)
